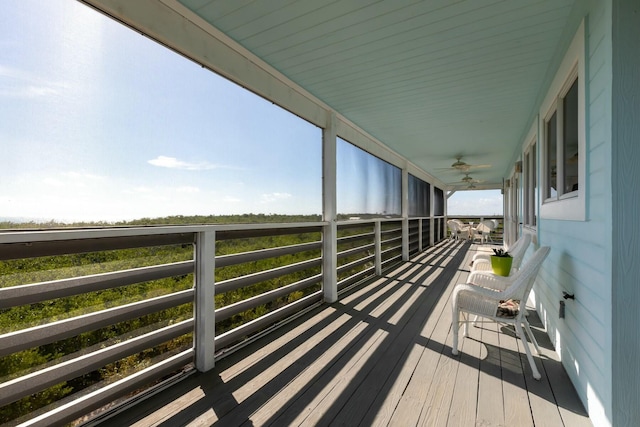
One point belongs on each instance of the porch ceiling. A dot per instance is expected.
(430, 79)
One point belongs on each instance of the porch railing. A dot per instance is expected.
(90, 317)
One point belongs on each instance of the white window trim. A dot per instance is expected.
(530, 207)
(570, 206)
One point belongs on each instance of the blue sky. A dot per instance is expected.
(99, 123)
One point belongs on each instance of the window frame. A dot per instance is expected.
(570, 205)
(530, 179)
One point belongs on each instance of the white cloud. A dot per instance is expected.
(24, 85)
(53, 182)
(138, 190)
(72, 179)
(231, 199)
(173, 163)
(188, 189)
(82, 175)
(29, 92)
(274, 197)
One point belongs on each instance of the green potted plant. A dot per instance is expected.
(501, 262)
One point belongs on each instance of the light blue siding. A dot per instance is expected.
(580, 260)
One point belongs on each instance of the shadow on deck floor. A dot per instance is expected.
(381, 355)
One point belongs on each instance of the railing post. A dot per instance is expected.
(378, 247)
(420, 234)
(432, 222)
(330, 262)
(329, 211)
(405, 214)
(405, 239)
(205, 323)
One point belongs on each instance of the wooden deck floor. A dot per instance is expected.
(380, 356)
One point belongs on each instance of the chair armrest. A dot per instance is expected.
(481, 265)
(481, 256)
(486, 279)
(475, 299)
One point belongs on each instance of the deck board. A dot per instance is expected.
(490, 397)
(379, 356)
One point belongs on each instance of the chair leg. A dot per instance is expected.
(525, 344)
(455, 322)
(527, 328)
(466, 325)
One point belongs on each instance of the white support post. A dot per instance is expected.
(432, 224)
(205, 322)
(329, 211)
(405, 214)
(377, 240)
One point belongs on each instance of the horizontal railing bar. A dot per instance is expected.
(253, 302)
(234, 259)
(37, 292)
(55, 331)
(259, 232)
(397, 233)
(355, 237)
(351, 224)
(396, 258)
(397, 229)
(227, 338)
(43, 235)
(355, 251)
(26, 385)
(261, 276)
(83, 405)
(361, 275)
(393, 239)
(389, 250)
(356, 263)
(63, 247)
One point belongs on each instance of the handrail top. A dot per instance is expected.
(8, 236)
(27, 236)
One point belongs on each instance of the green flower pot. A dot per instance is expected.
(501, 265)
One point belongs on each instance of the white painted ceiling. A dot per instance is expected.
(431, 79)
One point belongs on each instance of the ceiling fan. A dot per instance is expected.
(460, 165)
(467, 179)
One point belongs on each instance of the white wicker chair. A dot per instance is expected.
(458, 229)
(482, 232)
(492, 224)
(485, 291)
(482, 260)
(453, 229)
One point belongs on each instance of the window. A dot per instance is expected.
(570, 146)
(530, 177)
(551, 131)
(366, 184)
(562, 148)
(438, 202)
(419, 197)
(530, 185)
(563, 142)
